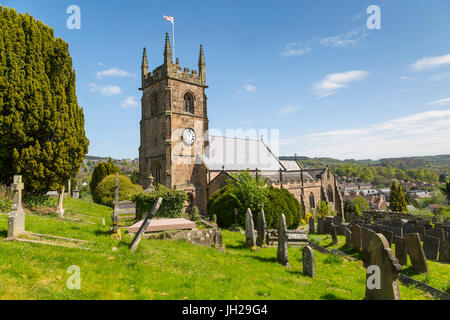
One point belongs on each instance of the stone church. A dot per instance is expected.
(177, 151)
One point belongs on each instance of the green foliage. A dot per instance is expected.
(193, 214)
(135, 177)
(6, 199)
(222, 204)
(333, 260)
(42, 133)
(281, 201)
(34, 201)
(323, 209)
(171, 206)
(105, 191)
(397, 201)
(252, 192)
(102, 170)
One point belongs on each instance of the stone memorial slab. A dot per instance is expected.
(159, 225)
(309, 263)
(250, 239)
(431, 247)
(379, 254)
(261, 226)
(144, 226)
(400, 250)
(282, 252)
(416, 253)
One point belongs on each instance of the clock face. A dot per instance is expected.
(189, 136)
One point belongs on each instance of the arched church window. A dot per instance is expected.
(156, 172)
(188, 103)
(311, 201)
(155, 104)
(330, 194)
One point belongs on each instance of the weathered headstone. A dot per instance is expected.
(69, 188)
(144, 226)
(261, 226)
(250, 239)
(389, 235)
(444, 252)
(382, 285)
(416, 253)
(59, 208)
(408, 227)
(420, 229)
(436, 232)
(348, 238)
(320, 227)
(431, 247)
(16, 219)
(327, 224)
(309, 262)
(356, 237)
(282, 252)
(333, 233)
(311, 225)
(400, 250)
(365, 238)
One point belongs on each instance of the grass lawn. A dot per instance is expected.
(163, 269)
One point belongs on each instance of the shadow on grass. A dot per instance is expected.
(330, 296)
(3, 234)
(264, 259)
(409, 271)
(102, 232)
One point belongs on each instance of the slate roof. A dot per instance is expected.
(290, 165)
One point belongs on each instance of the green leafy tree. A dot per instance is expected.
(101, 170)
(252, 191)
(397, 201)
(42, 133)
(105, 191)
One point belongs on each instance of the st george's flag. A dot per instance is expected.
(168, 18)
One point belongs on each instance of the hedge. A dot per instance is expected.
(171, 206)
(106, 189)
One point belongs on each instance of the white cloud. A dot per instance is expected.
(105, 90)
(130, 102)
(288, 109)
(245, 122)
(417, 134)
(350, 38)
(113, 72)
(439, 77)
(333, 82)
(291, 52)
(250, 88)
(428, 63)
(101, 64)
(442, 102)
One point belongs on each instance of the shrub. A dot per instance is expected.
(101, 170)
(193, 214)
(6, 199)
(223, 204)
(105, 189)
(281, 201)
(34, 201)
(171, 206)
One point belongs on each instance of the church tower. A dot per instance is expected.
(174, 123)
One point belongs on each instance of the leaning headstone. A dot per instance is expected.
(400, 250)
(250, 239)
(144, 226)
(311, 225)
(348, 238)
(420, 229)
(389, 235)
(320, 227)
(261, 226)
(436, 232)
(333, 233)
(444, 252)
(416, 253)
(282, 252)
(381, 258)
(16, 219)
(59, 208)
(431, 247)
(309, 262)
(356, 237)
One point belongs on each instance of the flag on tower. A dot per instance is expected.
(168, 18)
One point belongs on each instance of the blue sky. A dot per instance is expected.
(310, 69)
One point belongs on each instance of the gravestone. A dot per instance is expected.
(282, 252)
(400, 250)
(144, 226)
(356, 237)
(16, 219)
(320, 227)
(408, 227)
(444, 252)
(311, 225)
(250, 239)
(437, 233)
(76, 192)
(309, 263)
(389, 235)
(431, 247)
(59, 208)
(333, 233)
(327, 224)
(69, 188)
(337, 220)
(348, 238)
(365, 238)
(416, 253)
(379, 254)
(420, 229)
(261, 226)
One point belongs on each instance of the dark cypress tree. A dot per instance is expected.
(42, 133)
(397, 201)
(101, 170)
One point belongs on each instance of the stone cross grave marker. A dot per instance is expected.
(333, 233)
(250, 239)
(416, 253)
(400, 250)
(381, 257)
(309, 263)
(144, 226)
(260, 240)
(282, 252)
(431, 247)
(311, 225)
(16, 219)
